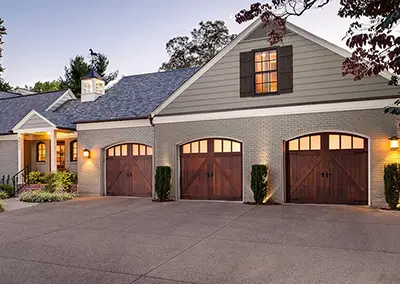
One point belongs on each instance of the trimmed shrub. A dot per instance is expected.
(2, 207)
(163, 182)
(9, 189)
(258, 182)
(35, 177)
(60, 181)
(392, 184)
(4, 195)
(39, 196)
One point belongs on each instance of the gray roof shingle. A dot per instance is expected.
(12, 110)
(132, 97)
(7, 95)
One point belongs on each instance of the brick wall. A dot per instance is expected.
(91, 171)
(8, 158)
(263, 137)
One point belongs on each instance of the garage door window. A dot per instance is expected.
(118, 151)
(306, 143)
(195, 147)
(345, 142)
(141, 150)
(226, 146)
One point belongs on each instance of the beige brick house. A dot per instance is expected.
(324, 136)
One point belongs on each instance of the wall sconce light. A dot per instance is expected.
(394, 143)
(86, 153)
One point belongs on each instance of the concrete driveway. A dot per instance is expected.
(113, 240)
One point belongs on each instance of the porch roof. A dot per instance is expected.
(13, 109)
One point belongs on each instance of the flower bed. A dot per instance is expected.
(39, 196)
(42, 186)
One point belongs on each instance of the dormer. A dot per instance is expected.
(92, 86)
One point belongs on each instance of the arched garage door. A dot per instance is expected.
(327, 168)
(211, 169)
(129, 170)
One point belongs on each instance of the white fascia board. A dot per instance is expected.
(276, 111)
(35, 130)
(8, 137)
(27, 117)
(113, 124)
(68, 93)
(206, 67)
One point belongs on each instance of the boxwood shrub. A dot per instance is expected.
(163, 182)
(4, 195)
(392, 184)
(39, 196)
(9, 189)
(258, 182)
(2, 207)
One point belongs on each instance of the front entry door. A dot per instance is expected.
(327, 168)
(60, 155)
(129, 170)
(211, 169)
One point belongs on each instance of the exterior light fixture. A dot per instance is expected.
(86, 153)
(394, 143)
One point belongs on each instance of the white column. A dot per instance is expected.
(53, 151)
(20, 151)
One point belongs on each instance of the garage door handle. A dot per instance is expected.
(322, 174)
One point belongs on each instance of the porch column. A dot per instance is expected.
(53, 151)
(20, 151)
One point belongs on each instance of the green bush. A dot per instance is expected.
(39, 196)
(9, 189)
(2, 207)
(163, 182)
(4, 195)
(35, 177)
(258, 182)
(60, 181)
(392, 184)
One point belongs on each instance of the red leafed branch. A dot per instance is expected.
(372, 36)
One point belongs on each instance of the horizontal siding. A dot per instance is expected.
(35, 122)
(317, 78)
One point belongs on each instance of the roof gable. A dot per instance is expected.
(338, 52)
(12, 110)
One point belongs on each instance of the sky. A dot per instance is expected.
(43, 35)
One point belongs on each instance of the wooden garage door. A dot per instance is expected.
(129, 170)
(327, 168)
(211, 169)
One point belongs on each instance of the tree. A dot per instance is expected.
(204, 44)
(48, 86)
(79, 68)
(4, 86)
(375, 47)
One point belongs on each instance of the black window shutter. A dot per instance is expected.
(285, 65)
(247, 74)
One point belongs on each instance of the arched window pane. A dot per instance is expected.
(294, 145)
(217, 146)
(305, 143)
(203, 146)
(227, 146)
(358, 143)
(135, 150)
(334, 142)
(186, 149)
(235, 146)
(124, 151)
(111, 152)
(345, 142)
(149, 151)
(195, 147)
(316, 142)
(117, 151)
